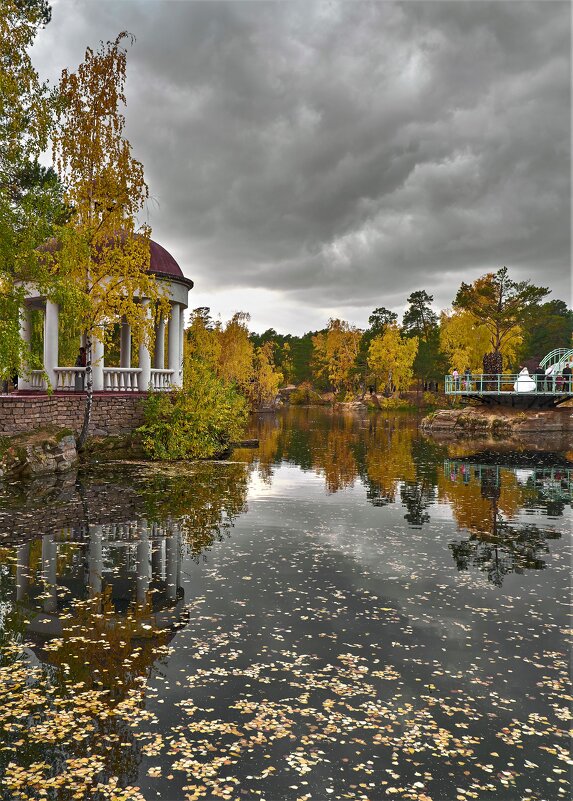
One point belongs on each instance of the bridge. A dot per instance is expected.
(539, 390)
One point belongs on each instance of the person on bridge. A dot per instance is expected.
(567, 373)
(540, 378)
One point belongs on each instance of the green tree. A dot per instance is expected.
(26, 195)
(421, 321)
(101, 260)
(501, 304)
(547, 326)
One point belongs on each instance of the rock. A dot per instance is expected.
(498, 424)
(41, 452)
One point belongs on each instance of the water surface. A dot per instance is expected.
(348, 611)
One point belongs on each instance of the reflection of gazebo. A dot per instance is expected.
(135, 563)
(124, 377)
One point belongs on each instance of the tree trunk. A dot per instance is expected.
(89, 397)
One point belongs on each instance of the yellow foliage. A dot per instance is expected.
(237, 352)
(266, 378)
(466, 341)
(391, 357)
(335, 353)
(101, 262)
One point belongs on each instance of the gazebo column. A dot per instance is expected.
(171, 560)
(125, 344)
(51, 342)
(97, 364)
(181, 340)
(143, 564)
(159, 352)
(174, 343)
(95, 560)
(24, 381)
(144, 359)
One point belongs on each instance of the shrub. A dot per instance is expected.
(197, 422)
(305, 395)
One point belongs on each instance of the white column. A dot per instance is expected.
(49, 569)
(125, 344)
(51, 341)
(24, 378)
(143, 564)
(181, 340)
(22, 571)
(171, 560)
(95, 560)
(174, 342)
(158, 558)
(144, 359)
(159, 352)
(97, 364)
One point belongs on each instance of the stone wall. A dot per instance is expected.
(111, 414)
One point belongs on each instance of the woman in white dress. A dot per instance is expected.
(525, 382)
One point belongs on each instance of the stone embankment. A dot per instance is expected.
(500, 423)
(111, 413)
(39, 453)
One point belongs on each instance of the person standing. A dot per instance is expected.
(456, 377)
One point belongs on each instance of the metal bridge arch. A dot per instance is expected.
(557, 359)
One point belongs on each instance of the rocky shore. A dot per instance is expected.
(41, 452)
(500, 423)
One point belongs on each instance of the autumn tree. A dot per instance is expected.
(335, 352)
(266, 379)
(237, 352)
(391, 358)
(102, 255)
(202, 338)
(465, 340)
(501, 304)
(378, 321)
(286, 363)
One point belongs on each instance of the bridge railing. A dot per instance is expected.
(502, 383)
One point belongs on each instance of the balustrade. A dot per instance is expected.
(38, 380)
(70, 379)
(161, 380)
(120, 379)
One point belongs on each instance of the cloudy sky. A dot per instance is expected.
(317, 159)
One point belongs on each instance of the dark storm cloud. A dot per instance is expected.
(345, 155)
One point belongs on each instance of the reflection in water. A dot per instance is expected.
(96, 599)
(482, 494)
(386, 454)
(332, 629)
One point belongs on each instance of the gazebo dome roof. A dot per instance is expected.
(162, 262)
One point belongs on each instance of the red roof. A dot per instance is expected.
(161, 261)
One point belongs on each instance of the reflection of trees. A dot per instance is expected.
(204, 497)
(481, 500)
(388, 460)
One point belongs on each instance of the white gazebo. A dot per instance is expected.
(124, 378)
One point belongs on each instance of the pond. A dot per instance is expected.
(349, 610)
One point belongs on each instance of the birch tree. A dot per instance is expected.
(101, 260)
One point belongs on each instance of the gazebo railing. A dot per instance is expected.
(121, 379)
(161, 380)
(70, 379)
(503, 383)
(38, 380)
